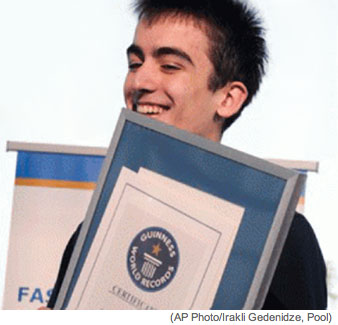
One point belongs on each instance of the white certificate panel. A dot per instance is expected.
(160, 245)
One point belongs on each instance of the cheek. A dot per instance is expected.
(126, 84)
(126, 87)
(183, 98)
(196, 85)
(192, 96)
(184, 89)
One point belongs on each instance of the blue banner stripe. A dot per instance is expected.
(303, 189)
(58, 166)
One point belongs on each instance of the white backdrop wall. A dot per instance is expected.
(62, 66)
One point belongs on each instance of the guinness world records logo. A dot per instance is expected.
(153, 259)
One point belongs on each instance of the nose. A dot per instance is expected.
(137, 94)
(145, 78)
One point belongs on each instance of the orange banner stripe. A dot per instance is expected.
(55, 183)
(301, 200)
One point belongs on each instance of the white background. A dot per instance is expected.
(62, 66)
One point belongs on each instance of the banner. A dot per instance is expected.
(303, 167)
(53, 188)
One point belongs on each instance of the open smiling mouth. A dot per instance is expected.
(150, 108)
(146, 107)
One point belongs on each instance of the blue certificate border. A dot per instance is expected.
(269, 194)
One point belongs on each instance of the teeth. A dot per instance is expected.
(149, 109)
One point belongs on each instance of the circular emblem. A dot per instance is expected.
(152, 259)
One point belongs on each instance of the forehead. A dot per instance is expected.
(184, 33)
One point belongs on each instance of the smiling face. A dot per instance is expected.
(169, 68)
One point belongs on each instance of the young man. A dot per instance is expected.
(196, 65)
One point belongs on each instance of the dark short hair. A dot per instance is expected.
(237, 46)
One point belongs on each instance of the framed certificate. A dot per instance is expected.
(264, 195)
(160, 245)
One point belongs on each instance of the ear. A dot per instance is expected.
(232, 97)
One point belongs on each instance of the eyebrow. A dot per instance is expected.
(157, 53)
(162, 51)
(136, 50)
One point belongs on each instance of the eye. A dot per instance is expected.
(170, 67)
(132, 66)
